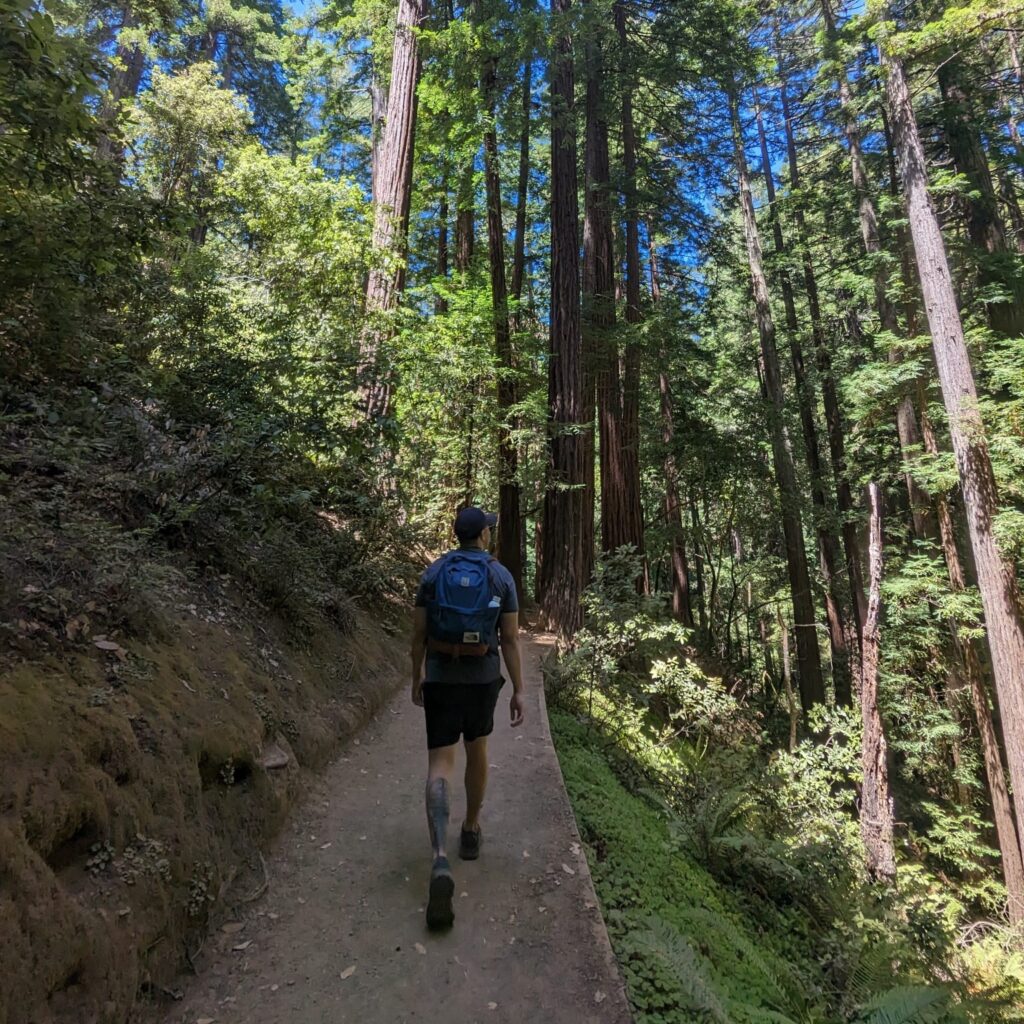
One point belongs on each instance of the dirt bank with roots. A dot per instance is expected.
(139, 778)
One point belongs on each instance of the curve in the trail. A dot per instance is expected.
(340, 935)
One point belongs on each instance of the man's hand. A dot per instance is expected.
(417, 693)
(517, 709)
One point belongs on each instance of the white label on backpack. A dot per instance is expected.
(471, 638)
(495, 603)
(464, 581)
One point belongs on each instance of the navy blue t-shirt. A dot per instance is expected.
(485, 669)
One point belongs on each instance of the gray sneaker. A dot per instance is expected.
(439, 904)
(470, 842)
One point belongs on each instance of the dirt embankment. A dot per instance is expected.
(139, 778)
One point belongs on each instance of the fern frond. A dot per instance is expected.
(663, 941)
(909, 1004)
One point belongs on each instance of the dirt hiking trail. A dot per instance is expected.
(340, 935)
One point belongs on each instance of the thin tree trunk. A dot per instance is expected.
(834, 420)
(510, 525)
(1002, 808)
(130, 60)
(465, 219)
(828, 544)
(698, 564)
(440, 302)
(519, 249)
(997, 578)
(984, 225)
(632, 525)
(682, 609)
(562, 582)
(787, 682)
(876, 815)
(599, 301)
(391, 214)
(906, 421)
(812, 687)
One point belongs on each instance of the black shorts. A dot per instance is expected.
(459, 709)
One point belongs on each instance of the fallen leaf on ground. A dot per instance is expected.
(568, 870)
(492, 1006)
(231, 927)
(526, 855)
(599, 996)
(326, 846)
(420, 948)
(206, 1020)
(348, 972)
(242, 946)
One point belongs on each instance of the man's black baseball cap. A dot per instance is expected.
(471, 522)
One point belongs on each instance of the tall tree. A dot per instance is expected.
(391, 212)
(867, 213)
(824, 506)
(561, 579)
(997, 576)
(876, 814)
(812, 687)
(510, 524)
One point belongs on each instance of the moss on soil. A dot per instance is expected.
(731, 962)
(132, 795)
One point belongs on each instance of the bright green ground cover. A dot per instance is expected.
(690, 951)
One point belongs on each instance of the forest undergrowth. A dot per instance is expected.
(730, 868)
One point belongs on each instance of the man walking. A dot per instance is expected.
(465, 602)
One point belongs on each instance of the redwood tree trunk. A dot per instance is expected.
(984, 225)
(834, 420)
(391, 213)
(682, 608)
(124, 84)
(828, 543)
(906, 421)
(510, 524)
(967, 650)
(997, 578)
(876, 815)
(812, 687)
(561, 569)
(633, 524)
(599, 300)
(519, 248)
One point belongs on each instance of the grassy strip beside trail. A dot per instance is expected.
(688, 948)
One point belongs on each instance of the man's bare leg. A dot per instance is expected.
(476, 781)
(440, 769)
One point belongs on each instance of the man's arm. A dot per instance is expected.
(418, 652)
(510, 651)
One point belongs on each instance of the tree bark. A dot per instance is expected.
(130, 60)
(967, 651)
(824, 506)
(510, 524)
(876, 814)
(984, 224)
(519, 248)
(561, 568)
(834, 420)
(997, 578)
(906, 421)
(465, 219)
(633, 525)
(812, 687)
(440, 302)
(599, 300)
(391, 214)
(682, 609)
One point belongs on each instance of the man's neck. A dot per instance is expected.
(472, 545)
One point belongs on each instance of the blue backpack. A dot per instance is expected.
(464, 612)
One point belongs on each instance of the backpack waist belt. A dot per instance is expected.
(457, 650)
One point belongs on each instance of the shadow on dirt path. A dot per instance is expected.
(340, 935)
